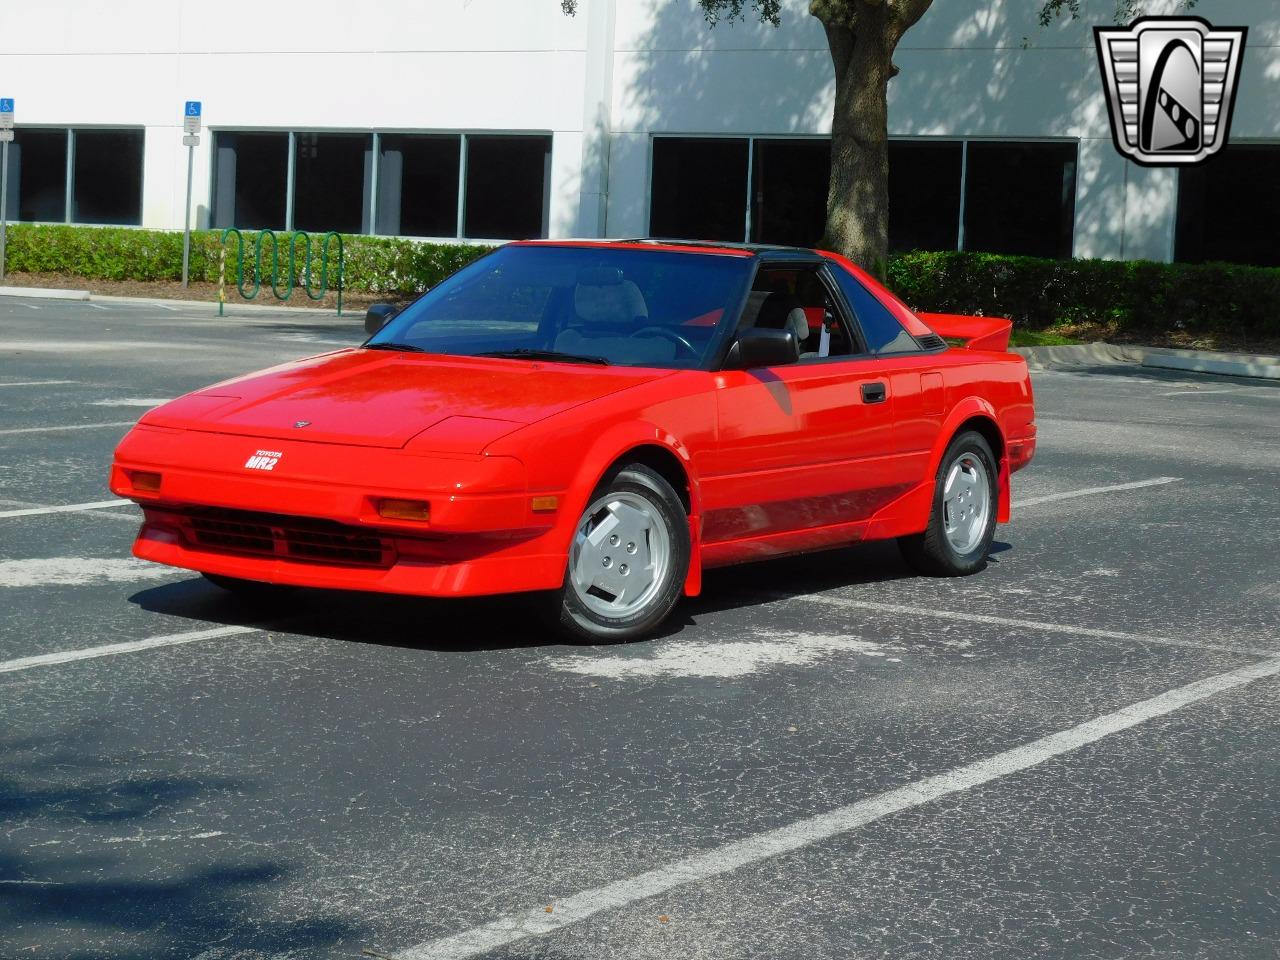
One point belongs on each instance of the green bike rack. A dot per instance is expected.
(292, 277)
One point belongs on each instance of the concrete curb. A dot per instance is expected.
(1077, 355)
(213, 305)
(55, 293)
(44, 293)
(1195, 361)
(1205, 361)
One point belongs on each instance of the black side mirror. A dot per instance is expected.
(758, 347)
(377, 317)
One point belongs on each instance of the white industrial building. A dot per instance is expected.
(492, 119)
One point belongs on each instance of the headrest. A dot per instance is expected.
(615, 304)
(776, 309)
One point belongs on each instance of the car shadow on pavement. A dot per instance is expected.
(94, 862)
(509, 622)
(427, 623)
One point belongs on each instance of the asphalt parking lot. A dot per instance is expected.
(1072, 754)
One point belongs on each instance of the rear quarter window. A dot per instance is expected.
(885, 336)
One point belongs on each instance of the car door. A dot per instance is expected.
(804, 445)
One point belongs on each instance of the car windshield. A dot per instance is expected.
(608, 305)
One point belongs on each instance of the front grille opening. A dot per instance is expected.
(288, 537)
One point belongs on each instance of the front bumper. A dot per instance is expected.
(483, 537)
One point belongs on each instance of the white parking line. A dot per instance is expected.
(1038, 625)
(1185, 392)
(1090, 491)
(111, 649)
(71, 426)
(37, 383)
(824, 826)
(148, 402)
(66, 508)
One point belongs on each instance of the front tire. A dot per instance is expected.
(627, 562)
(962, 522)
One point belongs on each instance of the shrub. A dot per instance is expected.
(1135, 295)
(373, 264)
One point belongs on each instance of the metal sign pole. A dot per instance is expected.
(4, 201)
(186, 230)
(6, 135)
(191, 113)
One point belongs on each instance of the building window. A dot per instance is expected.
(38, 175)
(924, 194)
(1020, 198)
(1228, 208)
(250, 180)
(699, 188)
(107, 176)
(418, 185)
(397, 184)
(1012, 198)
(332, 180)
(789, 191)
(506, 187)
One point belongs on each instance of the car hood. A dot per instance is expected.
(381, 399)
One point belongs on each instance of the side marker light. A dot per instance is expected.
(419, 510)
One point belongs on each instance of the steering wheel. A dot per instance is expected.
(654, 331)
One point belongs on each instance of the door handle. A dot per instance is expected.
(873, 393)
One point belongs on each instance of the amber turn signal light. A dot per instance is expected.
(544, 504)
(418, 510)
(145, 482)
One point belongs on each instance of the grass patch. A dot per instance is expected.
(1040, 338)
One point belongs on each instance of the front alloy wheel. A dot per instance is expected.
(627, 561)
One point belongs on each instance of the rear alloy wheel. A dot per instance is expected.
(962, 522)
(627, 561)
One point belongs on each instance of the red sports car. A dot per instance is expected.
(598, 421)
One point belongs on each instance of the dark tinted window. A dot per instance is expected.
(332, 182)
(789, 191)
(699, 189)
(631, 307)
(1229, 207)
(38, 175)
(250, 177)
(881, 329)
(418, 185)
(107, 184)
(506, 187)
(1020, 198)
(924, 194)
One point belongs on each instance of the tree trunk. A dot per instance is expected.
(858, 195)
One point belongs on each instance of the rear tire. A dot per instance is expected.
(962, 521)
(627, 562)
(248, 589)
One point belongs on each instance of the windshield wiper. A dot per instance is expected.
(401, 347)
(527, 353)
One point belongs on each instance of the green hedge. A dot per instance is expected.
(383, 265)
(1033, 293)
(1136, 295)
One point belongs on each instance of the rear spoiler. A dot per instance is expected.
(973, 333)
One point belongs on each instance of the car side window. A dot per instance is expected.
(795, 297)
(885, 336)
